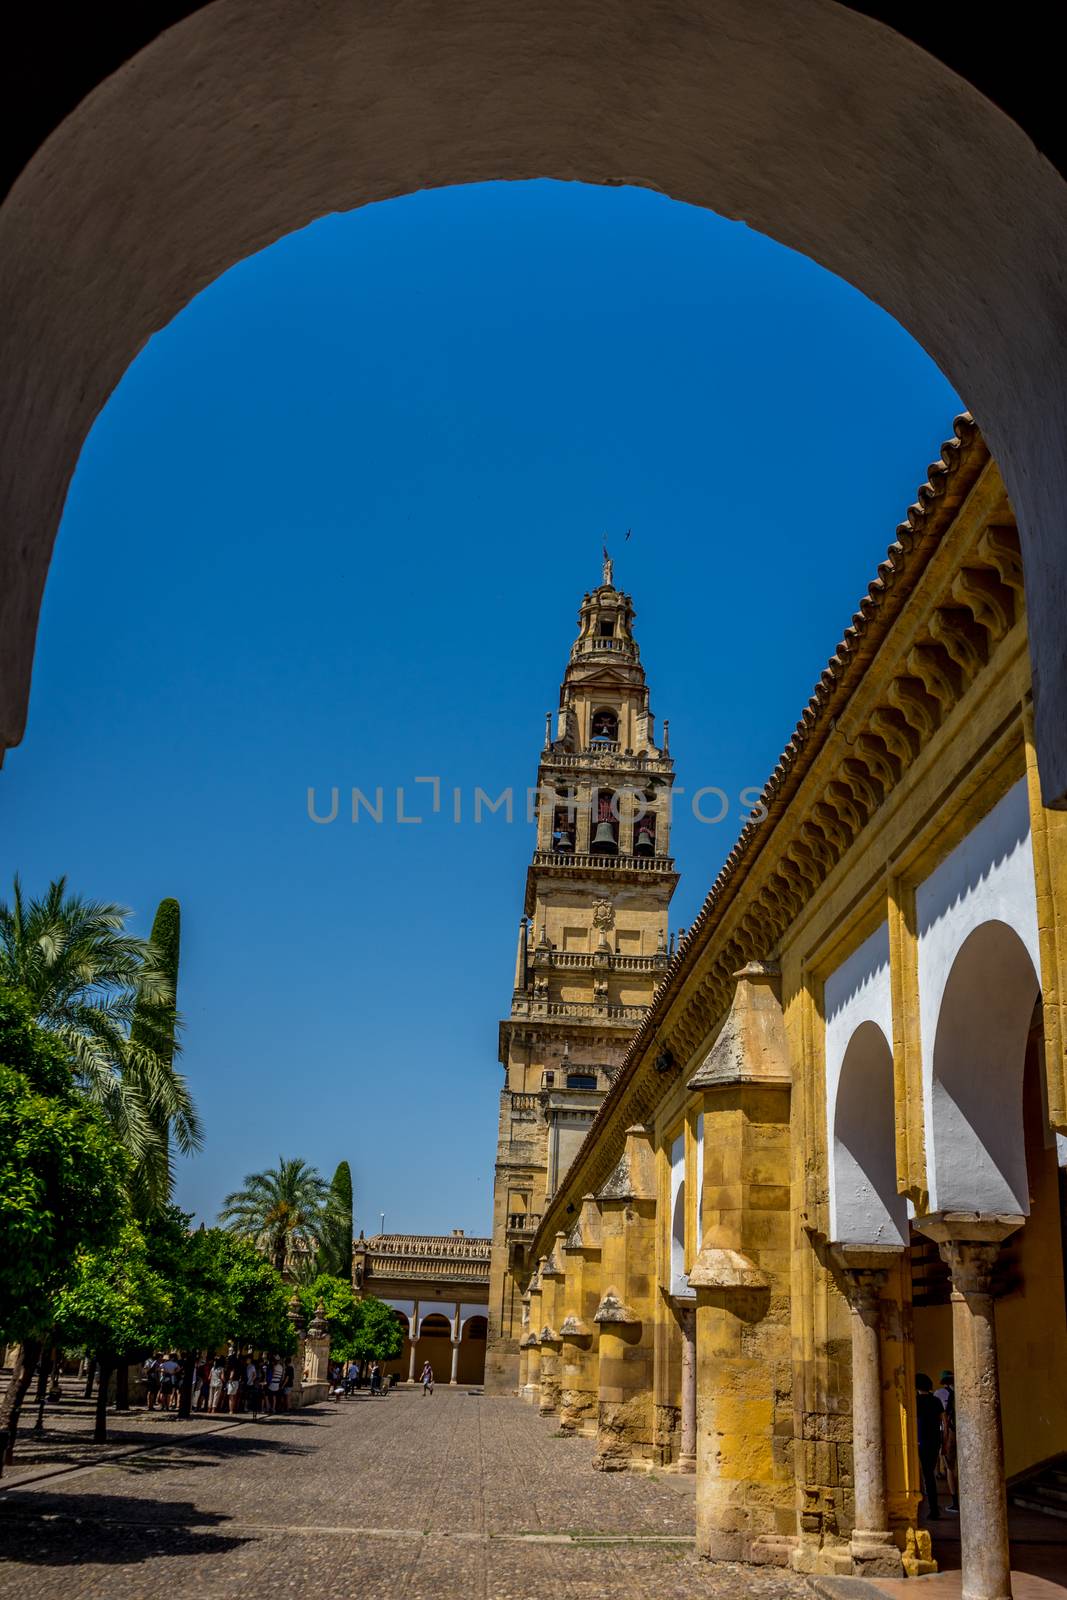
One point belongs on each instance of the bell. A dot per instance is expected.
(565, 842)
(604, 837)
(645, 841)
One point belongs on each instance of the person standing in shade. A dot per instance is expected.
(216, 1388)
(946, 1393)
(375, 1380)
(427, 1378)
(930, 1425)
(150, 1371)
(253, 1387)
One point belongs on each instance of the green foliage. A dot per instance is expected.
(279, 1210)
(335, 1249)
(381, 1336)
(164, 1287)
(86, 978)
(360, 1330)
(62, 1174)
(28, 1049)
(258, 1297)
(116, 1303)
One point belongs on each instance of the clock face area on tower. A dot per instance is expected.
(594, 933)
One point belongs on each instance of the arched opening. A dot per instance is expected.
(644, 824)
(865, 1206)
(1029, 1277)
(976, 1099)
(605, 727)
(605, 835)
(471, 1364)
(563, 827)
(758, 114)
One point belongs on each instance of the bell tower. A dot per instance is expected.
(593, 939)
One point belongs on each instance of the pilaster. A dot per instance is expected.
(745, 1507)
(626, 1313)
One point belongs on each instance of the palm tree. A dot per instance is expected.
(282, 1210)
(156, 1028)
(87, 980)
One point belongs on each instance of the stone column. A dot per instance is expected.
(864, 1272)
(454, 1376)
(969, 1244)
(626, 1313)
(413, 1339)
(687, 1451)
(584, 823)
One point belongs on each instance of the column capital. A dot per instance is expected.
(972, 1227)
(969, 1243)
(864, 1270)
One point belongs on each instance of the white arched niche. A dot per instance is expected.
(679, 1280)
(978, 983)
(865, 1207)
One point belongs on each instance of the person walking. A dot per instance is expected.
(946, 1393)
(930, 1426)
(352, 1379)
(233, 1385)
(203, 1384)
(427, 1378)
(375, 1380)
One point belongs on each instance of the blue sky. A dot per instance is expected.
(333, 528)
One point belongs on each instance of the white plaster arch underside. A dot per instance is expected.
(864, 1205)
(979, 962)
(679, 1280)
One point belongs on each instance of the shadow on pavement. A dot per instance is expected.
(37, 1537)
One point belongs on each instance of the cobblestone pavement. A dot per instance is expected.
(459, 1494)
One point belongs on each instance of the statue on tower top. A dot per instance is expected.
(609, 570)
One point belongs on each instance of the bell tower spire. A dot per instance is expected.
(598, 889)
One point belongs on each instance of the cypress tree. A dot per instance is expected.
(339, 1222)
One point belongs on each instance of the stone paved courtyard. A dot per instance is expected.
(455, 1495)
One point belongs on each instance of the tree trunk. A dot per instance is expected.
(89, 1376)
(185, 1394)
(100, 1430)
(122, 1386)
(11, 1404)
(42, 1392)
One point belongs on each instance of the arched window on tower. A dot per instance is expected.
(605, 727)
(563, 829)
(606, 833)
(644, 825)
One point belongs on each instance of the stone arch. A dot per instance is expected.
(820, 126)
(865, 1205)
(978, 1154)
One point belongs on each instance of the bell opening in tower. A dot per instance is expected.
(605, 727)
(605, 839)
